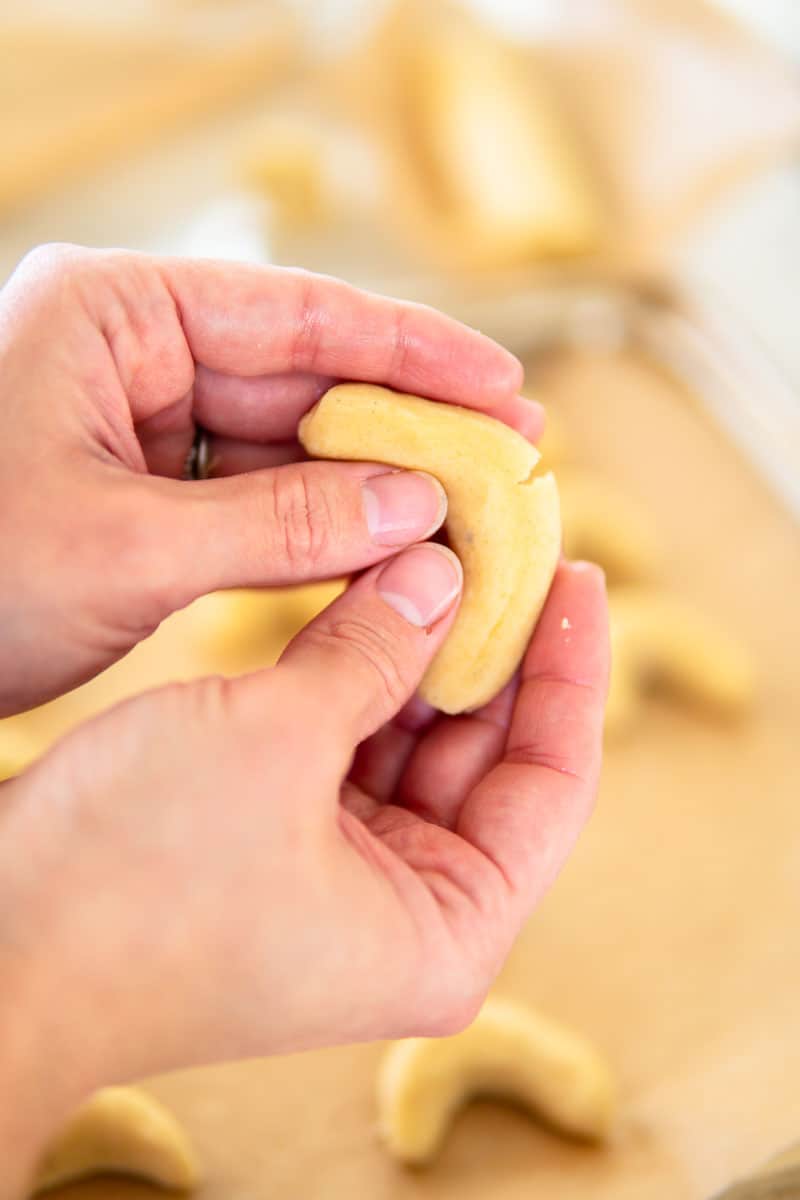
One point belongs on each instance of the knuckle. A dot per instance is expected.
(205, 707)
(138, 316)
(45, 276)
(162, 707)
(375, 650)
(307, 322)
(302, 519)
(213, 698)
(401, 343)
(52, 260)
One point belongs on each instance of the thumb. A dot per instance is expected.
(290, 524)
(362, 658)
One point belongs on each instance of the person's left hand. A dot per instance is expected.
(108, 360)
(298, 857)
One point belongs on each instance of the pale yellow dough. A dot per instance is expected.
(250, 628)
(603, 525)
(17, 748)
(502, 171)
(120, 1130)
(502, 522)
(510, 1052)
(287, 162)
(659, 641)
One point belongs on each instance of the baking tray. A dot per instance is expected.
(670, 938)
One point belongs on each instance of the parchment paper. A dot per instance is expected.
(672, 936)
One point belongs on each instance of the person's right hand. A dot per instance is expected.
(108, 361)
(297, 857)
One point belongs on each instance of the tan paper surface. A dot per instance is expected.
(671, 938)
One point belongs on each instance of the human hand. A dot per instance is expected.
(297, 857)
(108, 360)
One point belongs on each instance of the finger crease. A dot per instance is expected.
(308, 327)
(532, 756)
(400, 345)
(587, 684)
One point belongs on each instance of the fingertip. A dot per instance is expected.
(364, 656)
(580, 586)
(526, 416)
(571, 637)
(493, 370)
(511, 373)
(422, 584)
(403, 506)
(531, 418)
(587, 570)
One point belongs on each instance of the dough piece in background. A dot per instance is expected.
(502, 170)
(510, 1052)
(18, 747)
(661, 643)
(314, 171)
(602, 524)
(243, 630)
(227, 632)
(484, 169)
(120, 1131)
(287, 163)
(502, 522)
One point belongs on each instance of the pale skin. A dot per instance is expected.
(302, 856)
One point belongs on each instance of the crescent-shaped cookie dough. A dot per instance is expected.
(502, 173)
(502, 521)
(510, 1052)
(660, 642)
(120, 1130)
(603, 525)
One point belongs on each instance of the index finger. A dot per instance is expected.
(528, 811)
(249, 321)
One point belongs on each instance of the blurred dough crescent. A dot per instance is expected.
(120, 1130)
(604, 525)
(659, 640)
(18, 748)
(509, 1051)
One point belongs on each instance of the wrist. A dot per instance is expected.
(31, 1110)
(45, 1068)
